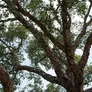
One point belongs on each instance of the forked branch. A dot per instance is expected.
(83, 32)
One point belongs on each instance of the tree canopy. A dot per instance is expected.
(47, 33)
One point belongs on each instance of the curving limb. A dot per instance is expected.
(18, 8)
(85, 55)
(48, 77)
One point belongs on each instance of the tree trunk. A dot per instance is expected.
(78, 88)
(74, 90)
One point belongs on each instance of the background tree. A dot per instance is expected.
(49, 34)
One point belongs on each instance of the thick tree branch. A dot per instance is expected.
(5, 80)
(55, 61)
(83, 32)
(50, 54)
(48, 77)
(66, 19)
(38, 22)
(85, 55)
(44, 29)
(74, 69)
(88, 90)
(89, 22)
(38, 36)
(38, 71)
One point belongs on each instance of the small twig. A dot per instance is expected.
(3, 6)
(9, 19)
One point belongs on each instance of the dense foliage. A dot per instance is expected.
(41, 36)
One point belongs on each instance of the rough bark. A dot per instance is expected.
(5, 80)
(85, 55)
(74, 85)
